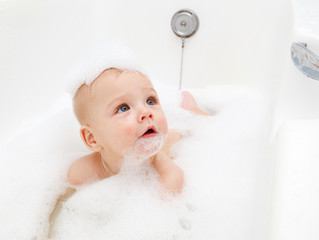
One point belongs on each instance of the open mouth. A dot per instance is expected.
(150, 132)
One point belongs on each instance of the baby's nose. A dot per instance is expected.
(144, 115)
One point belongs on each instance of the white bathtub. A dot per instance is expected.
(239, 43)
(295, 126)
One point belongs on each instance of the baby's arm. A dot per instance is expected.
(172, 177)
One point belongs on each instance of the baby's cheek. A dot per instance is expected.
(129, 130)
(163, 124)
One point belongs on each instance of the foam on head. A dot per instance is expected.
(112, 54)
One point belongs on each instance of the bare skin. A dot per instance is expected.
(190, 104)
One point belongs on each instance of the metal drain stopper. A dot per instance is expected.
(185, 23)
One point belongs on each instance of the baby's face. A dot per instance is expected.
(124, 109)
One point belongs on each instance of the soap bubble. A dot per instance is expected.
(142, 151)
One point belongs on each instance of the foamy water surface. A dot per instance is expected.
(224, 158)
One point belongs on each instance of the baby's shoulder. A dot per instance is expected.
(84, 170)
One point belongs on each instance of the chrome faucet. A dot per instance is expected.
(305, 60)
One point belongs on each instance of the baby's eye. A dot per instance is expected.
(122, 108)
(151, 101)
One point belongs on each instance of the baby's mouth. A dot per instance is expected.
(150, 132)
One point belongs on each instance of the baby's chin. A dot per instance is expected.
(144, 148)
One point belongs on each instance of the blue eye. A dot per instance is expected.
(151, 101)
(123, 108)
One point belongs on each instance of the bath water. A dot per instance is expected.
(224, 158)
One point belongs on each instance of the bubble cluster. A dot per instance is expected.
(143, 150)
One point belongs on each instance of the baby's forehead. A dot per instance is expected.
(110, 84)
(117, 78)
(107, 77)
(112, 80)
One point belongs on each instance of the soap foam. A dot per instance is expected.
(224, 159)
(103, 55)
(142, 151)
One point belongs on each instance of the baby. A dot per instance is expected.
(121, 116)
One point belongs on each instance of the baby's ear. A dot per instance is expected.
(89, 139)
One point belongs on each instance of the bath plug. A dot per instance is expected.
(111, 54)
